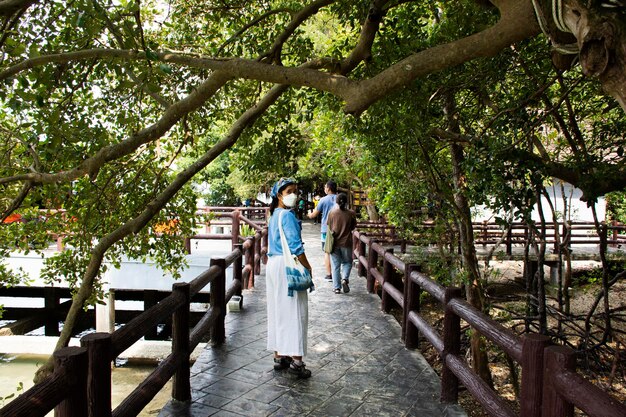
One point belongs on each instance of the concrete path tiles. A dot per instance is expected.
(358, 362)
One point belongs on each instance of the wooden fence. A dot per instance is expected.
(235, 218)
(550, 387)
(27, 319)
(81, 382)
(566, 234)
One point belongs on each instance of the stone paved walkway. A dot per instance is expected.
(359, 364)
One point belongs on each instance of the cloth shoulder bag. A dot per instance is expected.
(329, 245)
(298, 277)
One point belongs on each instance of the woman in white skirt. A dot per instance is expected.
(287, 316)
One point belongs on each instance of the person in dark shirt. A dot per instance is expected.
(341, 223)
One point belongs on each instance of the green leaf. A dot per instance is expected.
(151, 55)
(165, 68)
(153, 87)
(18, 50)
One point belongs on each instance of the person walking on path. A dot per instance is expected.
(341, 223)
(316, 201)
(301, 208)
(287, 316)
(326, 204)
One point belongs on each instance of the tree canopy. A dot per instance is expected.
(110, 109)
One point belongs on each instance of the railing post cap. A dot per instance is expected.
(453, 292)
(69, 351)
(559, 350)
(218, 261)
(560, 356)
(536, 337)
(91, 337)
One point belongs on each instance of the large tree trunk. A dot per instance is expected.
(474, 291)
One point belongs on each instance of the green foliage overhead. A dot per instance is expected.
(116, 116)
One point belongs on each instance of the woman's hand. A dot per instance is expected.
(305, 262)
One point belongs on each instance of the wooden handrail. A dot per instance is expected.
(71, 394)
(491, 329)
(541, 379)
(485, 233)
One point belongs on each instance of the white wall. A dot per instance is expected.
(577, 209)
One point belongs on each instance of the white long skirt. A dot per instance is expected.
(287, 317)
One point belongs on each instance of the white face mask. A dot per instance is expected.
(289, 200)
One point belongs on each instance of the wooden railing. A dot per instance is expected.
(236, 217)
(568, 234)
(81, 382)
(26, 319)
(547, 371)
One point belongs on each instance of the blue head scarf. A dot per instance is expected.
(283, 182)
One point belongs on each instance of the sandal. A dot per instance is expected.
(337, 291)
(282, 362)
(299, 370)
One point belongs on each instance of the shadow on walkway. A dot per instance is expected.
(359, 364)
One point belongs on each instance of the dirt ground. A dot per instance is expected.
(506, 297)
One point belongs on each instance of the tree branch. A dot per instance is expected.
(247, 26)
(517, 23)
(9, 7)
(304, 13)
(171, 116)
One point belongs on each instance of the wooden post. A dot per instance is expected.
(218, 301)
(250, 261)
(451, 346)
(181, 386)
(532, 374)
(237, 268)
(257, 254)
(385, 304)
(361, 269)
(412, 293)
(372, 262)
(235, 228)
(509, 241)
(150, 298)
(51, 303)
(556, 359)
(99, 352)
(74, 360)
